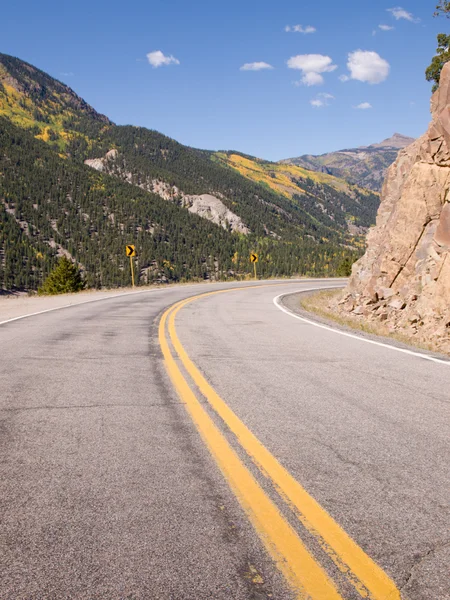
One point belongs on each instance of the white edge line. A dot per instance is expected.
(41, 312)
(277, 302)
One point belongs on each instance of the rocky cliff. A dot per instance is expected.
(404, 277)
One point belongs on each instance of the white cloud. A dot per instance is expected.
(386, 27)
(312, 78)
(255, 66)
(158, 59)
(311, 65)
(69, 74)
(300, 29)
(321, 100)
(344, 78)
(363, 106)
(367, 66)
(400, 13)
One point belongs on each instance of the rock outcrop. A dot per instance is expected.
(212, 208)
(404, 277)
(101, 164)
(206, 206)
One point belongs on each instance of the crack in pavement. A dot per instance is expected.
(419, 559)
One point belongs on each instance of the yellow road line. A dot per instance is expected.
(303, 573)
(363, 573)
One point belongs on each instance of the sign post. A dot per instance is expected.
(254, 260)
(131, 251)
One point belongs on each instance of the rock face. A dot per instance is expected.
(404, 276)
(101, 164)
(211, 208)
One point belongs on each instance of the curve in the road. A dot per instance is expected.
(278, 303)
(369, 580)
(301, 570)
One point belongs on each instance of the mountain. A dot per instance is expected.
(328, 199)
(73, 183)
(51, 207)
(365, 166)
(397, 141)
(403, 280)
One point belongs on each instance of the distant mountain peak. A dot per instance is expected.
(364, 166)
(398, 140)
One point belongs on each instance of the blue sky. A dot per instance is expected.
(202, 97)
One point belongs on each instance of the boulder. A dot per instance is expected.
(397, 304)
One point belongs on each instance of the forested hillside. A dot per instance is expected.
(333, 202)
(52, 204)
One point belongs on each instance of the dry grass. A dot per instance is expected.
(319, 304)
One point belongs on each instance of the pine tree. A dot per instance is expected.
(443, 8)
(64, 278)
(433, 72)
(344, 269)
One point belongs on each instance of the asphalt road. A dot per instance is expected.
(116, 486)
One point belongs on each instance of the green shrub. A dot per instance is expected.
(64, 278)
(345, 268)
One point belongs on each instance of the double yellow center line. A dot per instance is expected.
(302, 571)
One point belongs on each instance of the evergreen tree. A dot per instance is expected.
(443, 8)
(433, 72)
(345, 268)
(64, 278)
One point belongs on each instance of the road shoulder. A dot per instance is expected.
(291, 303)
